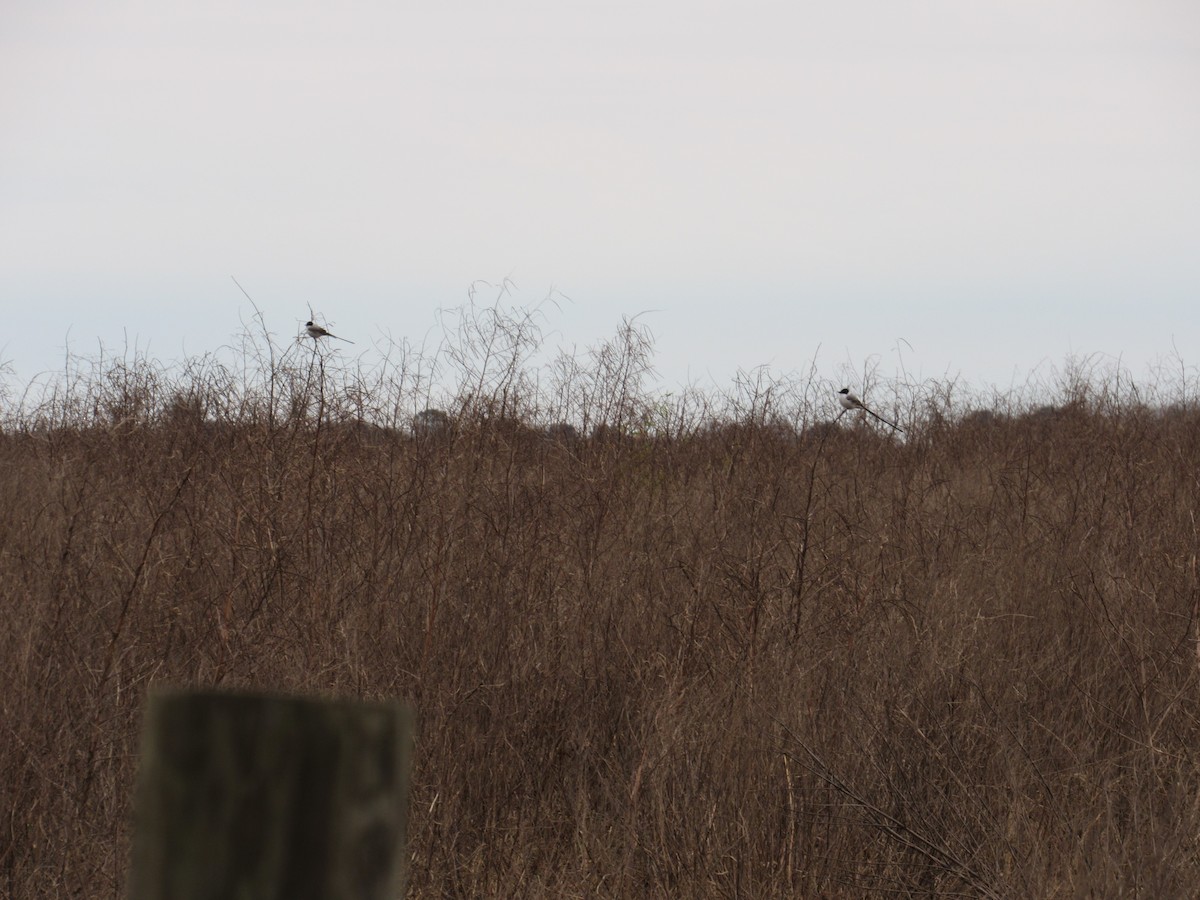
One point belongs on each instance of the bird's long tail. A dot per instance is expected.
(885, 421)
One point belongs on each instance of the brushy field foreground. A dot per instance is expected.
(714, 647)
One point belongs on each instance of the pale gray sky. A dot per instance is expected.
(998, 184)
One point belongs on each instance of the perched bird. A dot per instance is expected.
(316, 332)
(849, 401)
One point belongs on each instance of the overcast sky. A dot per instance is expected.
(985, 186)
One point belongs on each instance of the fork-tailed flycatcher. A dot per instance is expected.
(316, 332)
(849, 401)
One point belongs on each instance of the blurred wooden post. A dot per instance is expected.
(251, 797)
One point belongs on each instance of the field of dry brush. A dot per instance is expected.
(684, 654)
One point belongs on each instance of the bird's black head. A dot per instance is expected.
(308, 324)
(844, 391)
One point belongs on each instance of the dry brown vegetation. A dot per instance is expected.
(712, 648)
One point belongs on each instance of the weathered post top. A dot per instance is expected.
(258, 797)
